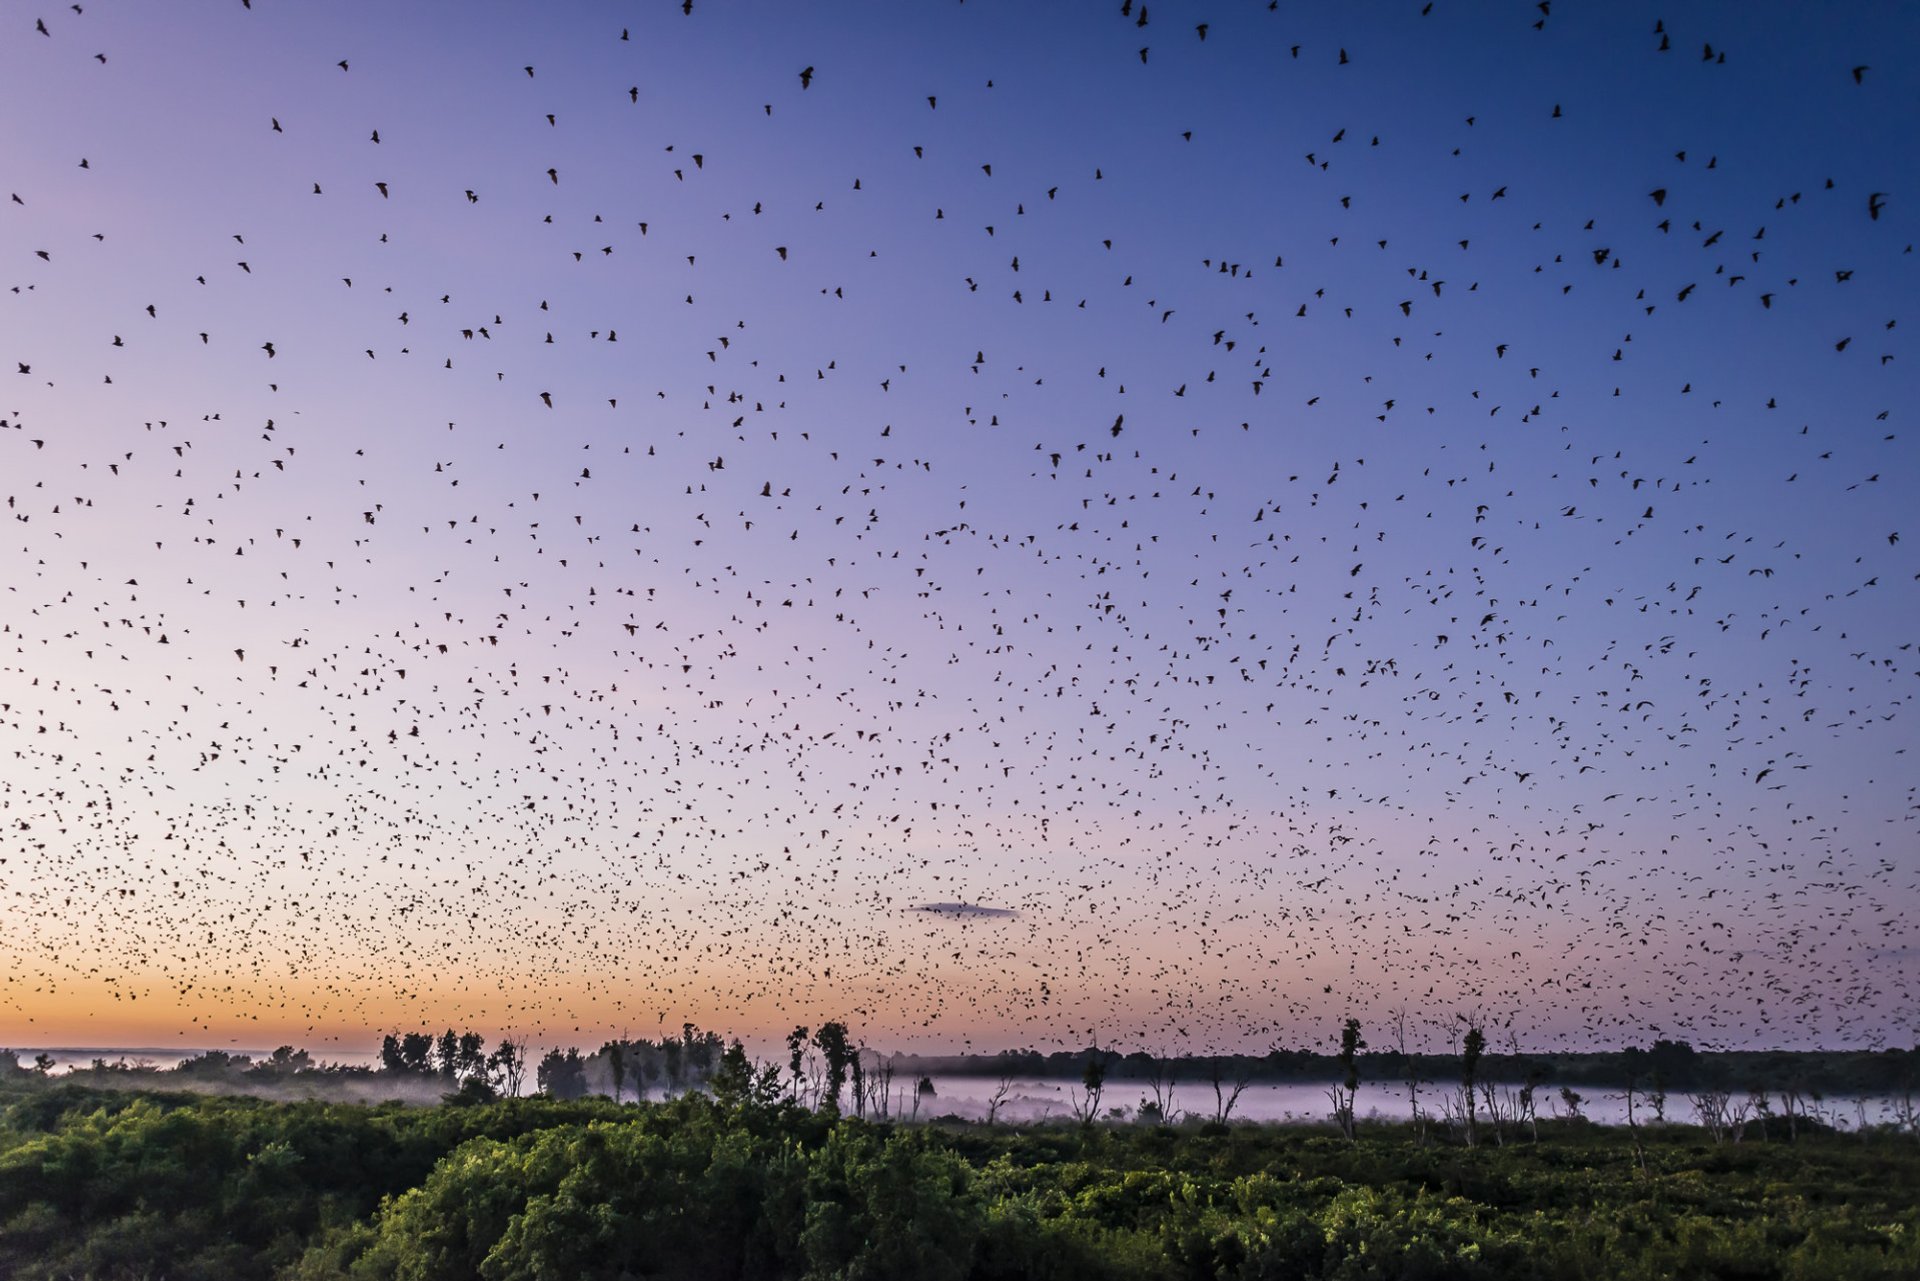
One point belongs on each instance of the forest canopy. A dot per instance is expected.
(746, 1183)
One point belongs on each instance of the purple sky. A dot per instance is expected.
(1357, 511)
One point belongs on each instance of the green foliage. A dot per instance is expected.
(109, 1184)
(896, 1207)
(120, 1184)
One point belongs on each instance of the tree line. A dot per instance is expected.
(1678, 1064)
(828, 1066)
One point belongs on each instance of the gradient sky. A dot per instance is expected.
(1355, 508)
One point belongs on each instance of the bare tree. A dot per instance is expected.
(1901, 1105)
(1226, 1088)
(1093, 1083)
(879, 1080)
(1528, 1111)
(1412, 1070)
(1762, 1104)
(1737, 1114)
(1160, 1080)
(1633, 1063)
(1501, 1108)
(1711, 1107)
(999, 1097)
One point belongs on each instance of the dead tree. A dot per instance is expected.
(1226, 1089)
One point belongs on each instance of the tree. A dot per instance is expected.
(447, 1056)
(796, 1056)
(470, 1058)
(1093, 1083)
(562, 1075)
(1227, 1087)
(416, 1053)
(673, 1062)
(1161, 1072)
(1349, 1088)
(213, 1064)
(645, 1063)
(698, 1053)
(507, 1065)
(1472, 1046)
(880, 1086)
(737, 1083)
(1535, 1075)
(616, 1056)
(1633, 1067)
(284, 1061)
(1674, 1063)
(1411, 1066)
(834, 1047)
(998, 1098)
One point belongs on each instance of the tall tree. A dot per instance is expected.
(447, 1055)
(1161, 1074)
(1472, 1046)
(1093, 1083)
(470, 1058)
(1349, 1087)
(615, 1053)
(390, 1059)
(673, 1057)
(796, 1055)
(416, 1053)
(838, 1052)
(1412, 1068)
(562, 1075)
(1633, 1069)
(507, 1065)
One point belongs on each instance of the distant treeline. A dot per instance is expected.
(1670, 1064)
(821, 1062)
(421, 1066)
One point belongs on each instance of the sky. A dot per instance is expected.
(567, 520)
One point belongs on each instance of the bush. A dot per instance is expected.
(127, 1184)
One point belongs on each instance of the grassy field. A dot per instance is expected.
(117, 1184)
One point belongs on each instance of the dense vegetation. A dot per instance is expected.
(140, 1184)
